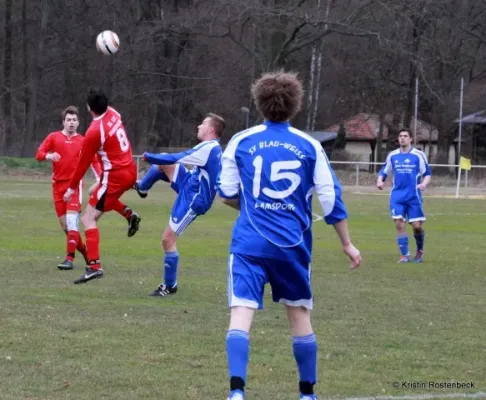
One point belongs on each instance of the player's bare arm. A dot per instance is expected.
(233, 203)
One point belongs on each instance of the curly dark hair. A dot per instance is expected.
(278, 95)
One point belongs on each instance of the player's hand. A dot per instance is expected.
(68, 194)
(54, 157)
(353, 254)
(380, 185)
(93, 188)
(421, 186)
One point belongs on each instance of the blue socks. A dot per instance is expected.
(153, 175)
(238, 351)
(171, 262)
(402, 241)
(419, 239)
(305, 353)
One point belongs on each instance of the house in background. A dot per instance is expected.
(326, 139)
(362, 133)
(473, 136)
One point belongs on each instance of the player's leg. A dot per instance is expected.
(70, 219)
(416, 218)
(291, 285)
(171, 264)
(246, 282)
(180, 218)
(94, 269)
(398, 212)
(98, 201)
(63, 215)
(59, 206)
(74, 241)
(132, 217)
(154, 174)
(116, 184)
(304, 347)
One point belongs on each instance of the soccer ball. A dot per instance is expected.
(107, 42)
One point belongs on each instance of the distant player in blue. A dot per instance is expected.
(269, 172)
(411, 175)
(195, 190)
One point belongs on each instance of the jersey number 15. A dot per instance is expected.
(276, 174)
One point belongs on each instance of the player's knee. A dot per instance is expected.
(87, 220)
(169, 239)
(72, 221)
(417, 229)
(299, 321)
(62, 223)
(400, 224)
(241, 318)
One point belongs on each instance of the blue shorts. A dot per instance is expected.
(182, 214)
(247, 276)
(410, 211)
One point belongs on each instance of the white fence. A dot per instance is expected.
(362, 173)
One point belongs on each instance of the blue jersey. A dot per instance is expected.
(408, 170)
(206, 159)
(274, 169)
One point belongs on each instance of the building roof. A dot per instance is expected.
(474, 118)
(322, 136)
(365, 127)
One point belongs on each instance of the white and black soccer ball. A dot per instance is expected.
(107, 43)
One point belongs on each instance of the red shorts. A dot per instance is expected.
(58, 190)
(112, 186)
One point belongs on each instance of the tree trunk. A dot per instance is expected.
(25, 74)
(37, 70)
(7, 78)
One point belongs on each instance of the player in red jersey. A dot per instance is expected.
(106, 137)
(63, 149)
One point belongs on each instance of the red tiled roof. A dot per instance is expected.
(365, 127)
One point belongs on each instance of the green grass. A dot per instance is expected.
(109, 340)
(24, 164)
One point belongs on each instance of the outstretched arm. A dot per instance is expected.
(197, 156)
(91, 145)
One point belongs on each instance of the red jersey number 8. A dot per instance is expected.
(122, 139)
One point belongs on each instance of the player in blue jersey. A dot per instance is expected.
(411, 175)
(195, 190)
(269, 173)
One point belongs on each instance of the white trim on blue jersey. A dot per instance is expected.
(197, 156)
(324, 184)
(229, 180)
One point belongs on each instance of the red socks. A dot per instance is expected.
(93, 247)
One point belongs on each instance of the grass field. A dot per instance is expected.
(107, 339)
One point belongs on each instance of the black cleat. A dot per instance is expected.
(89, 274)
(143, 194)
(66, 265)
(163, 290)
(133, 223)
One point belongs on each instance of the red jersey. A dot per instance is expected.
(69, 148)
(106, 137)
